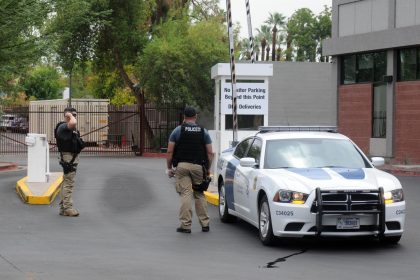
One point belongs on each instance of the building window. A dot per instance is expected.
(408, 65)
(245, 122)
(379, 111)
(379, 70)
(418, 64)
(349, 69)
(363, 68)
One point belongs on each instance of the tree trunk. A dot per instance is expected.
(139, 94)
(288, 47)
(159, 12)
(278, 58)
(267, 58)
(263, 44)
(273, 55)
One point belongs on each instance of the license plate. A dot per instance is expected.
(348, 223)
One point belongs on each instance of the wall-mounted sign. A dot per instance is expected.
(252, 97)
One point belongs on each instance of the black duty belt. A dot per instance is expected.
(199, 162)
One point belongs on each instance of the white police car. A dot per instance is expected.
(295, 182)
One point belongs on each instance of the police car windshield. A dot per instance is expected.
(312, 153)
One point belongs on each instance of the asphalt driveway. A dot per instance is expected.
(127, 231)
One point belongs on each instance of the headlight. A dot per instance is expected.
(394, 196)
(286, 196)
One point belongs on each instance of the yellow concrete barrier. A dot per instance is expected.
(39, 193)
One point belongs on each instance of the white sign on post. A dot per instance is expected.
(252, 98)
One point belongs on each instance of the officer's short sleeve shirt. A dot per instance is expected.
(64, 133)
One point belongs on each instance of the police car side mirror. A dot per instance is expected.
(247, 162)
(378, 161)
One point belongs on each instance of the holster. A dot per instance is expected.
(204, 185)
(68, 166)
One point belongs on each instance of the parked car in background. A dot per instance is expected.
(296, 182)
(13, 123)
(6, 122)
(20, 125)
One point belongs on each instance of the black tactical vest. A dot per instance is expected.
(73, 145)
(190, 146)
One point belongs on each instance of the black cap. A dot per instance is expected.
(189, 112)
(70, 109)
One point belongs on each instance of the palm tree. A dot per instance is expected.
(244, 49)
(289, 47)
(258, 38)
(275, 20)
(263, 44)
(264, 36)
(279, 52)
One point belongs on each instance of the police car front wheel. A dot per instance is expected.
(265, 226)
(225, 217)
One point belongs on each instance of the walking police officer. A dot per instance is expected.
(69, 145)
(189, 149)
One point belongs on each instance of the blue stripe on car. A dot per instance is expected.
(350, 173)
(311, 173)
(230, 174)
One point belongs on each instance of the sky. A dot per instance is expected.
(261, 9)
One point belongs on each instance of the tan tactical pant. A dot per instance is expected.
(186, 174)
(68, 184)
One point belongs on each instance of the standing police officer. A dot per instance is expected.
(189, 149)
(69, 145)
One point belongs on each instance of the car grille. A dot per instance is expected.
(349, 202)
(334, 229)
(343, 201)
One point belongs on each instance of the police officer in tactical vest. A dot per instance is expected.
(69, 145)
(189, 158)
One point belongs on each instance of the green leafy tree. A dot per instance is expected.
(323, 30)
(21, 35)
(118, 35)
(202, 10)
(104, 84)
(111, 33)
(175, 66)
(16, 98)
(80, 78)
(302, 31)
(43, 82)
(123, 96)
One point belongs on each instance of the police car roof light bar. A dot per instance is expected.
(264, 129)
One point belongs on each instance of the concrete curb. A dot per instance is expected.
(155, 155)
(212, 198)
(24, 191)
(6, 166)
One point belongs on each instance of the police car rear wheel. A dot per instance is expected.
(265, 226)
(223, 209)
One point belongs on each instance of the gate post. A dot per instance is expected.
(142, 115)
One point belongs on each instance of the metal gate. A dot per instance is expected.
(105, 128)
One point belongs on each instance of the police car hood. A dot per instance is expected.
(308, 179)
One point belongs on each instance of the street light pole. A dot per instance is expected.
(70, 76)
